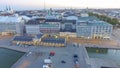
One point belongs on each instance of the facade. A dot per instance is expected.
(68, 34)
(11, 24)
(32, 27)
(39, 40)
(68, 24)
(36, 27)
(84, 15)
(50, 28)
(94, 29)
(52, 41)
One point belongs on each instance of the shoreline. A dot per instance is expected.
(16, 48)
(116, 48)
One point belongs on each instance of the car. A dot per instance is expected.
(75, 56)
(46, 66)
(52, 53)
(49, 57)
(73, 45)
(63, 61)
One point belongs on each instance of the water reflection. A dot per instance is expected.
(8, 57)
(104, 53)
(97, 50)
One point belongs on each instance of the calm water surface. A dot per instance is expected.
(110, 54)
(9, 57)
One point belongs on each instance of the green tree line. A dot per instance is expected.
(112, 21)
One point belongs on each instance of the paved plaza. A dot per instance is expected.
(39, 53)
(35, 60)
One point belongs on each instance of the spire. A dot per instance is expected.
(50, 12)
(9, 8)
(6, 8)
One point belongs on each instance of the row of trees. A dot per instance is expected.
(110, 20)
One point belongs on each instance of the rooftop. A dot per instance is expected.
(72, 18)
(39, 35)
(89, 18)
(100, 23)
(54, 40)
(93, 23)
(10, 19)
(53, 20)
(23, 38)
(33, 22)
(69, 21)
(49, 25)
(50, 17)
(26, 17)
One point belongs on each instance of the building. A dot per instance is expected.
(39, 40)
(94, 29)
(11, 24)
(45, 27)
(32, 27)
(84, 15)
(68, 24)
(26, 18)
(88, 18)
(7, 12)
(52, 41)
(24, 40)
(68, 34)
(49, 28)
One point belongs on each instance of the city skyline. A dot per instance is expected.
(39, 4)
(59, 34)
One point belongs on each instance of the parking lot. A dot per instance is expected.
(36, 59)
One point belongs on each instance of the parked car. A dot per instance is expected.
(63, 61)
(47, 63)
(75, 56)
(52, 53)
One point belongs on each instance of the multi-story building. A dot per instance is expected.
(36, 27)
(94, 29)
(32, 27)
(68, 24)
(11, 24)
(49, 28)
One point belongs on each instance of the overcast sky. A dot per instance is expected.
(38, 4)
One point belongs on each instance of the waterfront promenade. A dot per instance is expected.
(39, 53)
(35, 60)
(17, 48)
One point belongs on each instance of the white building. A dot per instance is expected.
(84, 15)
(36, 27)
(11, 24)
(68, 24)
(50, 28)
(32, 27)
(94, 29)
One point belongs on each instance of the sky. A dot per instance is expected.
(39, 4)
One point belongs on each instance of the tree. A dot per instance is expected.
(110, 20)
